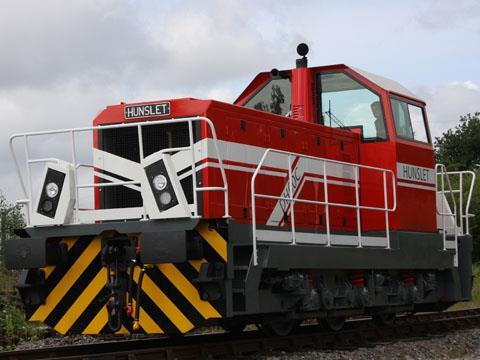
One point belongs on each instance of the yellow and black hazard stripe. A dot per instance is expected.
(170, 302)
(216, 245)
(71, 286)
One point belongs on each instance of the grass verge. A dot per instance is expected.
(13, 326)
(475, 291)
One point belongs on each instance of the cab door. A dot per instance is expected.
(349, 102)
(416, 189)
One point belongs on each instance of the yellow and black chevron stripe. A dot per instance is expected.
(170, 303)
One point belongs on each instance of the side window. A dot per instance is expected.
(409, 121)
(347, 103)
(275, 97)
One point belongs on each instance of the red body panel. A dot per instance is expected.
(413, 202)
(265, 132)
(301, 134)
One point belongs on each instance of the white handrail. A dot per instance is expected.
(326, 202)
(464, 214)
(444, 175)
(458, 216)
(27, 190)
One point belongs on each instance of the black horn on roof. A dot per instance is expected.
(302, 50)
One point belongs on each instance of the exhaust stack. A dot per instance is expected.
(301, 87)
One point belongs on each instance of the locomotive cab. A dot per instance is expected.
(390, 120)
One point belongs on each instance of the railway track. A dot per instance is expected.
(357, 333)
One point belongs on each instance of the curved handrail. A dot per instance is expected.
(467, 214)
(443, 172)
(72, 131)
(326, 203)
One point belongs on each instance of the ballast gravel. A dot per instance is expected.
(58, 341)
(459, 345)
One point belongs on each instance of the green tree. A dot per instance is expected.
(11, 218)
(459, 149)
(13, 326)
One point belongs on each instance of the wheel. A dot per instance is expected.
(384, 319)
(332, 323)
(279, 327)
(234, 326)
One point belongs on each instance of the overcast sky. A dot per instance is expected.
(61, 62)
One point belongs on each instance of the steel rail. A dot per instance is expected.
(357, 333)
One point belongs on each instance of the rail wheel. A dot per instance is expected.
(332, 323)
(279, 327)
(384, 319)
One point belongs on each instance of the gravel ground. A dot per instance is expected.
(59, 341)
(460, 345)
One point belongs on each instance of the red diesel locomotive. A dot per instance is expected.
(314, 195)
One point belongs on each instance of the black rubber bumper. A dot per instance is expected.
(32, 253)
(161, 241)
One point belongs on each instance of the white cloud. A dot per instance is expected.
(446, 103)
(216, 42)
(53, 41)
(221, 94)
(469, 85)
(444, 15)
(37, 109)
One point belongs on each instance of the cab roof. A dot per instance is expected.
(381, 81)
(386, 83)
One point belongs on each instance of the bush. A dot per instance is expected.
(14, 328)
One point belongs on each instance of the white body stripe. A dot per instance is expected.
(318, 239)
(242, 154)
(117, 165)
(90, 216)
(281, 207)
(113, 180)
(231, 167)
(230, 151)
(246, 158)
(249, 154)
(302, 167)
(415, 186)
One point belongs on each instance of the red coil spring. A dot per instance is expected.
(310, 280)
(357, 279)
(408, 277)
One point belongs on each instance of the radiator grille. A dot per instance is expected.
(123, 142)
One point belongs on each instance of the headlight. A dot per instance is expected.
(159, 182)
(165, 198)
(51, 189)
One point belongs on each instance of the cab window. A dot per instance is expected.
(275, 97)
(409, 121)
(346, 103)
